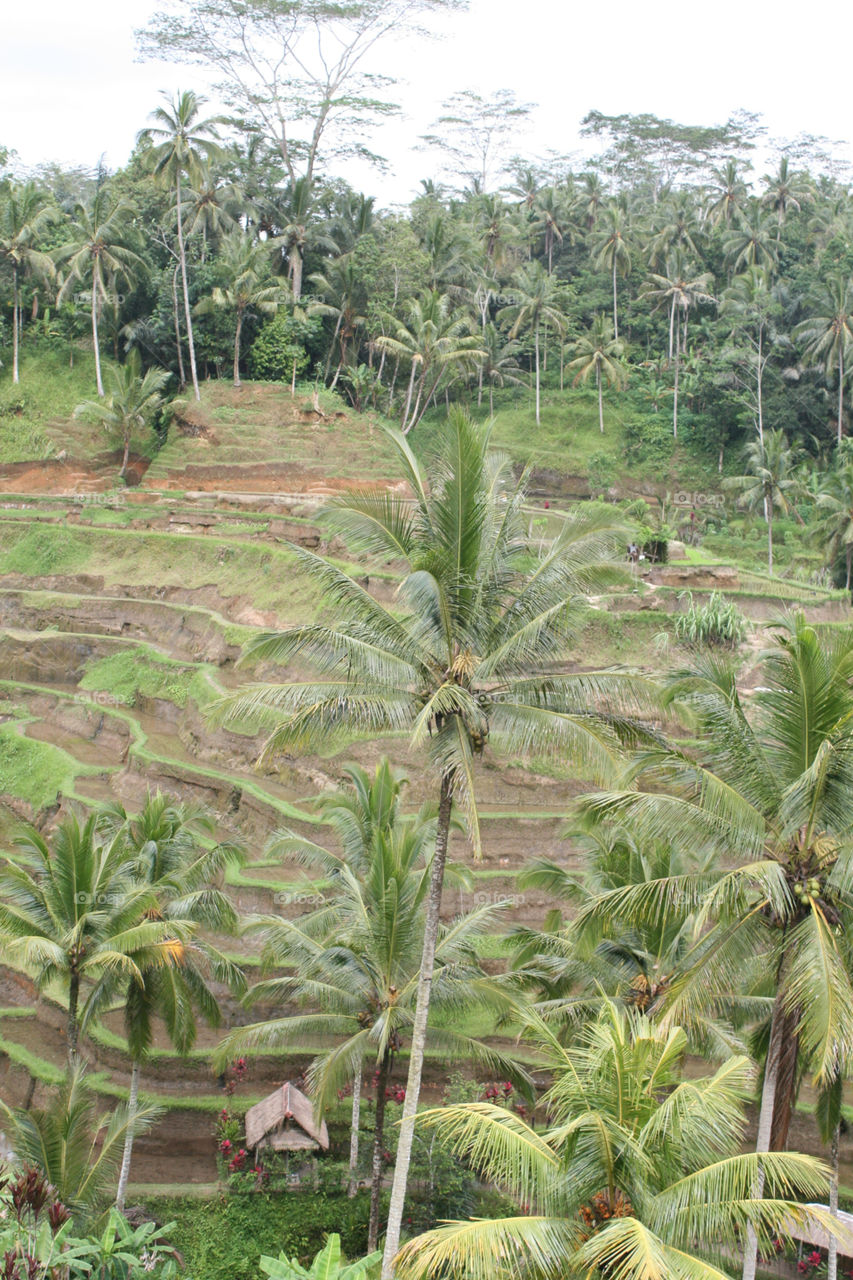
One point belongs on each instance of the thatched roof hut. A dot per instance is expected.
(814, 1233)
(285, 1122)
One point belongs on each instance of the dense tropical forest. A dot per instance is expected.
(426, 687)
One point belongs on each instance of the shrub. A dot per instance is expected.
(718, 623)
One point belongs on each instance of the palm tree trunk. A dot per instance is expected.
(419, 1030)
(182, 255)
(16, 306)
(765, 1125)
(675, 395)
(786, 1081)
(98, 380)
(408, 396)
(328, 364)
(671, 325)
(536, 350)
(72, 1030)
(491, 401)
(759, 382)
(237, 348)
(132, 1102)
(615, 313)
(832, 1251)
(353, 1134)
(125, 456)
(849, 557)
(840, 389)
(182, 377)
(296, 272)
(378, 1149)
(600, 401)
(770, 538)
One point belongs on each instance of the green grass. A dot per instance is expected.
(49, 392)
(36, 771)
(142, 672)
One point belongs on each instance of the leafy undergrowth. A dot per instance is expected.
(139, 672)
(35, 771)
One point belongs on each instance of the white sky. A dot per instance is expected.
(70, 88)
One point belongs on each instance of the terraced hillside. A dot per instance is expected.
(122, 617)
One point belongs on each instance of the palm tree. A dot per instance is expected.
(727, 195)
(599, 352)
(179, 142)
(357, 958)
(638, 1175)
(611, 252)
(163, 844)
(676, 230)
(751, 303)
(681, 293)
(834, 525)
(342, 288)
(786, 191)
(77, 1150)
(768, 481)
(771, 794)
(828, 337)
(435, 339)
(212, 208)
(73, 912)
(100, 249)
(535, 300)
(132, 403)
(245, 265)
(500, 365)
(748, 243)
(299, 231)
(466, 659)
(24, 215)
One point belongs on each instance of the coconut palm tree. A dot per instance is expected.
(727, 194)
(300, 231)
(101, 250)
(834, 526)
(828, 337)
(179, 142)
(132, 402)
(500, 364)
(244, 264)
(771, 793)
(785, 192)
(680, 292)
(344, 298)
(163, 843)
(611, 251)
(466, 659)
(73, 912)
(24, 215)
(435, 339)
(357, 960)
(77, 1149)
(536, 301)
(749, 243)
(599, 352)
(768, 482)
(752, 305)
(637, 1176)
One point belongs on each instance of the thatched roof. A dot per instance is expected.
(285, 1121)
(813, 1232)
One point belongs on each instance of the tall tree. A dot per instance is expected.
(179, 141)
(768, 481)
(774, 784)
(102, 249)
(466, 659)
(535, 301)
(834, 508)
(611, 251)
(681, 293)
(599, 353)
(243, 263)
(133, 401)
(638, 1175)
(25, 214)
(827, 338)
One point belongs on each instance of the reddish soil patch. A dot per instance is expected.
(69, 476)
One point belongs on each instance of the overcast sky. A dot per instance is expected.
(70, 88)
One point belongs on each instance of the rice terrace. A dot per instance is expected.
(426, 685)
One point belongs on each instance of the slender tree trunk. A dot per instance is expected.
(832, 1251)
(331, 349)
(296, 272)
(536, 351)
(600, 401)
(125, 456)
(675, 395)
(132, 1104)
(770, 539)
(491, 401)
(16, 306)
(840, 389)
(419, 1030)
(182, 256)
(237, 348)
(182, 377)
(352, 1188)
(72, 1029)
(848, 557)
(765, 1124)
(408, 396)
(671, 325)
(759, 386)
(615, 312)
(378, 1148)
(95, 342)
(786, 1081)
